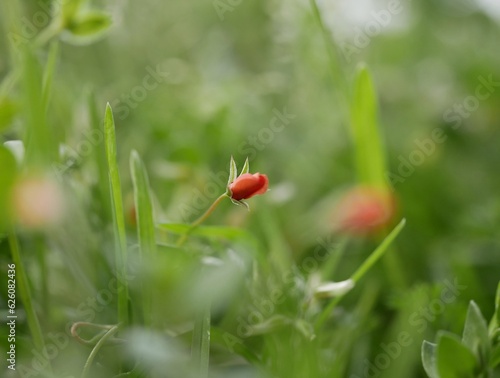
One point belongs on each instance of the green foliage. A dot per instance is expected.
(469, 356)
(282, 85)
(90, 24)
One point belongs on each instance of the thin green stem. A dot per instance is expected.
(25, 294)
(95, 350)
(378, 253)
(201, 219)
(362, 270)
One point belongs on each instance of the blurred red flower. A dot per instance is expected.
(365, 210)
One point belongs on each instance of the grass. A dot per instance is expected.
(124, 239)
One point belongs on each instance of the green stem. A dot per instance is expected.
(362, 270)
(201, 219)
(96, 349)
(25, 294)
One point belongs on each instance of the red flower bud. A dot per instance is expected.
(248, 185)
(365, 210)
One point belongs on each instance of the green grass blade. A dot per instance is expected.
(118, 217)
(200, 347)
(378, 253)
(363, 269)
(25, 294)
(7, 178)
(48, 75)
(40, 148)
(369, 150)
(99, 156)
(145, 223)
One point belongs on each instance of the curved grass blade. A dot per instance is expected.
(145, 225)
(118, 217)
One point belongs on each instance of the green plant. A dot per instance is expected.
(475, 354)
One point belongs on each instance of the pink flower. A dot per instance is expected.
(248, 185)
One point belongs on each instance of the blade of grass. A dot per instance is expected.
(370, 153)
(362, 270)
(7, 178)
(200, 346)
(48, 75)
(99, 157)
(40, 147)
(370, 158)
(145, 225)
(118, 217)
(26, 297)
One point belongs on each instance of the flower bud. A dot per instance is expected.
(364, 211)
(248, 185)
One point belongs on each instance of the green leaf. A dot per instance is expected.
(495, 357)
(241, 203)
(89, 24)
(454, 359)
(233, 171)
(48, 74)
(70, 8)
(118, 217)
(99, 156)
(475, 335)
(246, 167)
(429, 359)
(369, 150)
(7, 177)
(145, 224)
(41, 148)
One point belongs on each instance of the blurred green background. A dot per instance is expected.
(193, 82)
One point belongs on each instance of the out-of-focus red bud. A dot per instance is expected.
(364, 211)
(37, 202)
(248, 185)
